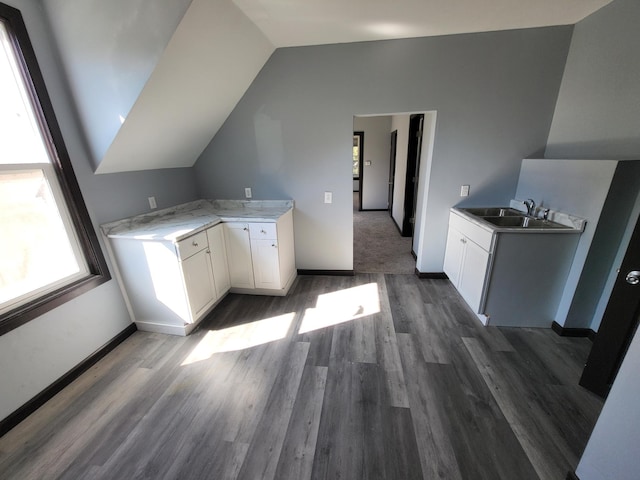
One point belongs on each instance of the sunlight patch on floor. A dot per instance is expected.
(341, 306)
(240, 337)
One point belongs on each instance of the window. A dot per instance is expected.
(49, 252)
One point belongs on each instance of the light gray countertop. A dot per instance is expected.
(176, 223)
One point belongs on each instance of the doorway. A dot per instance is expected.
(382, 176)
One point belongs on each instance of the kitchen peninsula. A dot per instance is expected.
(175, 265)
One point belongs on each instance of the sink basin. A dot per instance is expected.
(523, 222)
(494, 212)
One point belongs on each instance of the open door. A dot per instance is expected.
(413, 167)
(392, 169)
(619, 323)
(358, 146)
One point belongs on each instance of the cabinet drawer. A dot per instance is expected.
(473, 232)
(267, 231)
(191, 245)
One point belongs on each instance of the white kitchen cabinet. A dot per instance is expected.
(239, 255)
(466, 264)
(508, 277)
(218, 258)
(473, 272)
(261, 256)
(171, 286)
(199, 284)
(266, 264)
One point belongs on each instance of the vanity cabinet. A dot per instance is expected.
(170, 286)
(509, 276)
(261, 256)
(466, 260)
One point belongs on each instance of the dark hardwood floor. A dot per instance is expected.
(366, 377)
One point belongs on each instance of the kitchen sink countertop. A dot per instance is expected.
(512, 220)
(181, 221)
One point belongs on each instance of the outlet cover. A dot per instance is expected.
(247, 192)
(328, 197)
(152, 202)
(464, 191)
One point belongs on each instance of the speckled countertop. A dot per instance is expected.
(181, 221)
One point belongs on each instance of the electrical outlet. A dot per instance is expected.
(464, 191)
(247, 192)
(152, 202)
(328, 197)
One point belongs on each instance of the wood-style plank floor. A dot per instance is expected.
(367, 377)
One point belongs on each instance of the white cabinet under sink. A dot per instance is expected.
(466, 259)
(508, 277)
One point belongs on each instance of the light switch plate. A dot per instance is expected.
(464, 191)
(152, 202)
(247, 192)
(328, 197)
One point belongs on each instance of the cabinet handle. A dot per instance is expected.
(245, 229)
(194, 243)
(274, 245)
(263, 231)
(208, 251)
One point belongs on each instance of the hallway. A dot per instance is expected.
(377, 244)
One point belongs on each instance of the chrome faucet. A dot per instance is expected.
(531, 206)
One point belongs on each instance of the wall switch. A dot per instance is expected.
(328, 197)
(152, 202)
(464, 191)
(247, 192)
(368, 163)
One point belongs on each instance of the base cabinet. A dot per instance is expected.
(261, 256)
(171, 286)
(508, 278)
(466, 265)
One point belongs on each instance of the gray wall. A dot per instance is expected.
(612, 450)
(375, 176)
(36, 354)
(109, 50)
(598, 116)
(598, 110)
(494, 94)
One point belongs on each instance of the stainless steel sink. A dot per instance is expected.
(493, 211)
(523, 222)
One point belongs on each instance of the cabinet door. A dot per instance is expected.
(199, 285)
(218, 256)
(453, 255)
(473, 273)
(266, 264)
(239, 255)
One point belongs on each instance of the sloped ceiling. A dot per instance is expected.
(212, 58)
(217, 49)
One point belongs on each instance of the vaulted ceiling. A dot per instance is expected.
(211, 51)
